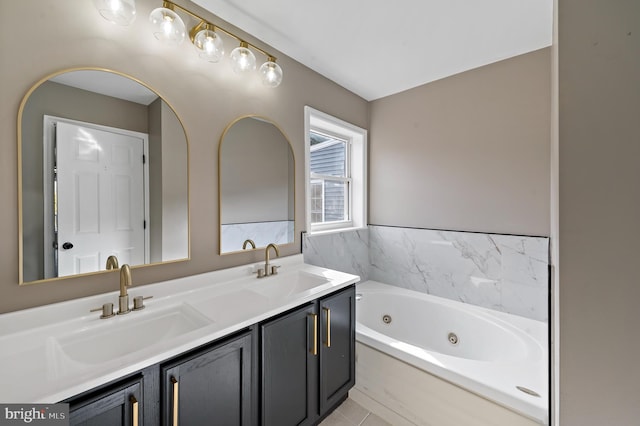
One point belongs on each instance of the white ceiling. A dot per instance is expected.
(376, 48)
(107, 83)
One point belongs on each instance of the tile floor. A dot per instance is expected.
(350, 413)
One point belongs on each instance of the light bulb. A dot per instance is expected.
(243, 59)
(209, 45)
(271, 73)
(168, 27)
(121, 12)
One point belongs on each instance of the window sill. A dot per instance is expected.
(337, 230)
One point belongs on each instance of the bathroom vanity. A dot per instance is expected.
(217, 348)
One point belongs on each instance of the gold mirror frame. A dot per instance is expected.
(292, 178)
(21, 108)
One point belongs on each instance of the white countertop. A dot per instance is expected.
(35, 368)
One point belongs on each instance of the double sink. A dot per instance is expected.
(92, 342)
(53, 352)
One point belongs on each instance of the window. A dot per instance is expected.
(330, 180)
(336, 173)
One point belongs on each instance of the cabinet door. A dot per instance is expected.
(290, 368)
(210, 387)
(119, 405)
(337, 347)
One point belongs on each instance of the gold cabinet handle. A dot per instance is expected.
(314, 351)
(134, 409)
(328, 341)
(175, 401)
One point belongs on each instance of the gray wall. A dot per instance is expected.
(206, 97)
(599, 211)
(175, 196)
(168, 183)
(474, 150)
(155, 179)
(254, 173)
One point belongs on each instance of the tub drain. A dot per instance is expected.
(453, 338)
(528, 391)
(386, 319)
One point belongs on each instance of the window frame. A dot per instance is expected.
(346, 179)
(355, 170)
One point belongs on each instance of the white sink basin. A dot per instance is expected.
(285, 285)
(116, 337)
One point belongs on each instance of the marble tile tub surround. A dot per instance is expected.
(507, 273)
(345, 250)
(262, 233)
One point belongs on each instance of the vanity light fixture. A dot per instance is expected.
(208, 44)
(243, 59)
(121, 12)
(167, 25)
(271, 73)
(169, 28)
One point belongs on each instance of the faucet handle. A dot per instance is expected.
(261, 273)
(138, 302)
(274, 269)
(107, 310)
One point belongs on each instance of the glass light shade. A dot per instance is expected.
(243, 60)
(168, 27)
(271, 74)
(121, 12)
(209, 45)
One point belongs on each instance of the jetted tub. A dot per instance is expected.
(499, 357)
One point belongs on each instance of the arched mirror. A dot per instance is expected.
(103, 170)
(256, 178)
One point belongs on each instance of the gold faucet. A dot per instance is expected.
(125, 281)
(123, 300)
(112, 262)
(273, 269)
(248, 242)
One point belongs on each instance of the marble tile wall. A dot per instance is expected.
(346, 251)
(502, 272)
(262, 233)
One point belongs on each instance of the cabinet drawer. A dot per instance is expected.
(120, 404)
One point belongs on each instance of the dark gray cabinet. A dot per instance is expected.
(305, 358)
(212, 386)
(289, 368)
(308, 360)
(114, 406)
(337, 350)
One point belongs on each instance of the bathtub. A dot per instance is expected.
(416, 347)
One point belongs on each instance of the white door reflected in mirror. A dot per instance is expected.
(100, 194)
